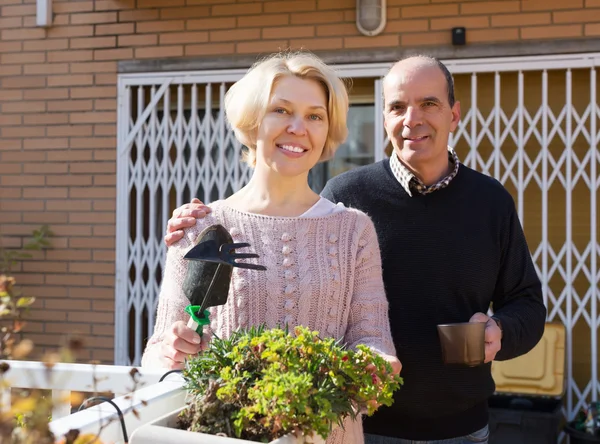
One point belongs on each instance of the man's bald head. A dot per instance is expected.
(423, 61)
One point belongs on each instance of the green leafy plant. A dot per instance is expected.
(262, 384)
(39, 241)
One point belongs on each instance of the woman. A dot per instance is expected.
(323, 261)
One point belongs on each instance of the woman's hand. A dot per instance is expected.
(184, 217)
(179, 342)
(394, 362)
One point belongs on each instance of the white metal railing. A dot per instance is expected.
(138, 408)
(62, 379)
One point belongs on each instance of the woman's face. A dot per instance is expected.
(293, 132)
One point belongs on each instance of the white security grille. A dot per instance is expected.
(531, 122)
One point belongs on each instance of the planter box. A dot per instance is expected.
(163, 431)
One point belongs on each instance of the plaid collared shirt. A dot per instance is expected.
(411, 183)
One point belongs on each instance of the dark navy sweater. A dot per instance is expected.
(446, 255)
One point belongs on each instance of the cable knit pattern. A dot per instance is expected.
(322, 272)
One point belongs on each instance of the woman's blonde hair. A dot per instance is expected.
(247, 100)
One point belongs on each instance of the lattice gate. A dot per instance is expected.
(531, 122)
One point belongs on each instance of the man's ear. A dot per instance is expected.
(455, 116)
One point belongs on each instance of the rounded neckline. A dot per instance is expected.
(221, 203)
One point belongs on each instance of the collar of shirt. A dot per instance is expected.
(411, 183)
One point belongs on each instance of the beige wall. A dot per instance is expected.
(58, 110)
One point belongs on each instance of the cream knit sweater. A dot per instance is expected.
(322, 272)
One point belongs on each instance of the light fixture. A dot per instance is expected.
(370, 16)
(44, 13)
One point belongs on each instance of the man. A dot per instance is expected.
(451, 245)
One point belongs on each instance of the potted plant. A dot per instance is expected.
(267, 385)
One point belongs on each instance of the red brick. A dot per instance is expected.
(70, 56)
(68, 279)
(186, 37)
(288, 32)
(103, 281)
(11, 11)
(115, 29)
(93, 18)
(91, 268)
(317, 44)
(105, 104)
(12, 70)
(66, 180)
(378, 41)
(549, 5)
(45, 45)
(71, 31)
(46, 119)
(11, 22)
(23, 180)
(258, 21)
(68, 155)
(24, 82)
(92, 193)
(467, 22)
(10, 47)
(235, 35)
(78, 6)
(46, 68)
(7, 144)
(94, 42)
(11, 96)
(10, 119)
(580, 16)
(113, 5)
(93, 67)
(24, 107)
(551, 32)
(23, 131)
(69, 130)
(521, 19)
(45, 193)
(138, 40)
(158, 52)
(71, 230)
(94, 92)
(70, 105)
(93, 117)
(592, 29)
(68, 205)
(69, 304)
(21, 58)
(92, 142)
(138, 15)
(87, 242)
(105, 179)
(105, 205)
(493, 35)
(492, 7)
(209, 49)
(290, 6)
(159, 3)
(31, 156)
(45, 143)
(49, 168)
(239, 9)
(23, 34)
(183, 13)
(335, 4)
(429, 11)
(311, 18)
(425, 39)
(337, 30)
(105, 130)
(92, 167)
(405, 26)
(199, 24)
(113, 54)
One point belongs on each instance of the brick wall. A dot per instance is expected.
(58, 111)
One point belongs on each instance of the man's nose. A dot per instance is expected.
(413, 117)
(297, 126)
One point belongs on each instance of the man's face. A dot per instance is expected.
(418, 118)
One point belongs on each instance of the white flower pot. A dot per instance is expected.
(163, 431)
